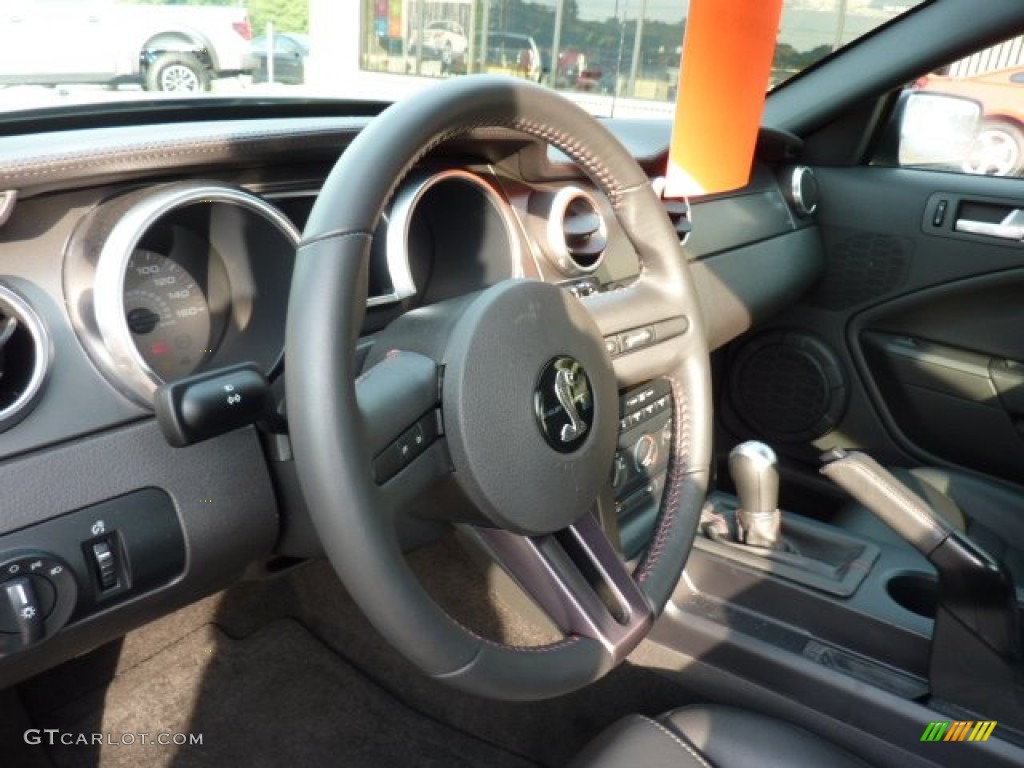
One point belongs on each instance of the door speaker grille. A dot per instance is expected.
(787, 386)
(861, 266)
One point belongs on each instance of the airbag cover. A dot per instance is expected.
(502, 358)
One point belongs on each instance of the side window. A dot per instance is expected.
(994, 78)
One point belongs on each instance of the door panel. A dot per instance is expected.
(926, 321)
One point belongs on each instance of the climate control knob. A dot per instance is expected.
(645, 453)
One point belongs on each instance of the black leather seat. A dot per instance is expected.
(710, 736)
(989, 512)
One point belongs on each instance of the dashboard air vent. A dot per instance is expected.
(24, 357)
(577, 232)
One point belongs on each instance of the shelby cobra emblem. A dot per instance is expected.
(564, 404)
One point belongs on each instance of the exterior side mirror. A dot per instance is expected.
(935, 130)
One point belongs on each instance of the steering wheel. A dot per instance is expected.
(516, 384)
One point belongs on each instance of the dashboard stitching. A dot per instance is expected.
(152, 151)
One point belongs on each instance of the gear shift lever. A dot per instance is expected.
(752, 466)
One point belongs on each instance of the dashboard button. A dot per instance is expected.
(104, 564)
(640, 337)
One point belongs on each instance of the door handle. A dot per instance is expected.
(1010, 228)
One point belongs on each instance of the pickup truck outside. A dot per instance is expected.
(163, 47)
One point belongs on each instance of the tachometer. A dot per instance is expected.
(167, 314)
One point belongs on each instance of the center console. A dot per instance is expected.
(641, 461)
(822, 620)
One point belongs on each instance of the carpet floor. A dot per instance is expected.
(278, 697)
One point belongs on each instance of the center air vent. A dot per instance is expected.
(24, 357)
(576, 231)
(678, 211)
(677, 208)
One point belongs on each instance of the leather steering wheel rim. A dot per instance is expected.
(329, 430)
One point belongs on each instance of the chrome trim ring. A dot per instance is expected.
(558, 249)
(399, 219)
(801, 174)
(127, 366)
(42, 348)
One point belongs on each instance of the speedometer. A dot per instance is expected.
(167, 281)
(167, 313)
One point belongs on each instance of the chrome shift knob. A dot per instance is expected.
(752, 466)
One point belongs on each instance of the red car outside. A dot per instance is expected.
(999, 149)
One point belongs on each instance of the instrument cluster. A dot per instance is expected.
(172, 280)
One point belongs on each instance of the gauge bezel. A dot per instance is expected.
(101, 321)
(399, 221)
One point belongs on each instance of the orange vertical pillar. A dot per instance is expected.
(723, 78)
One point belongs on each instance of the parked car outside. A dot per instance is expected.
(516, 54)
(999, 148)
(577, 72)
(444, 40)
(290, 52)
(165, 48)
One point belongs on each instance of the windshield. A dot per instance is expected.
(612, 56)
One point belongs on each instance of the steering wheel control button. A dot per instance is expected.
(564, 404)
(410, 444)
(209, 404)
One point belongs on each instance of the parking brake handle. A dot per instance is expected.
(974, 588)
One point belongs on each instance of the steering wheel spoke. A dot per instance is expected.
(578, 579)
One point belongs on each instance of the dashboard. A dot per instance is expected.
(130, 262)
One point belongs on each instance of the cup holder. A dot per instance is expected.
(916, 592)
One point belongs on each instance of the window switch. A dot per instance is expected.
(104, 563)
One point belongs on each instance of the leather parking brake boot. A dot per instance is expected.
(976, 643)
